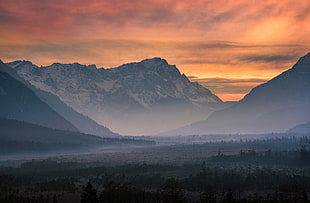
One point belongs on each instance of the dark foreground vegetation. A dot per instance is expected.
(260, 174)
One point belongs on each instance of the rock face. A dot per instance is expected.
(137, 98)
(275, 106)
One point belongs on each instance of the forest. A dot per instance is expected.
(228, 171)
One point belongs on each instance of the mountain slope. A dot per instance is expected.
(302, 128)
(20, 103)
(136, 98)
(275, 106)
(81, 122)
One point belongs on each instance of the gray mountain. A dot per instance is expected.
(81, 123)
(301, 128)
(274, 106)
(18, 102)
(137, 98)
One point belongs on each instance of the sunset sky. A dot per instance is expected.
(228, 46)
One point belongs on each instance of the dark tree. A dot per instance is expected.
(305, 196)
(89, 194)
(208, 195)
(228, 197)
(172, 191)
(109, 192)
(55, 199)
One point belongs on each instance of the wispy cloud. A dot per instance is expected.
(224, 20)
(227, 80)
(269, 58)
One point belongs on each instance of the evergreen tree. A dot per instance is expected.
(89, 194)
(55, 199)
(172, 191)
(228, 197)
(109, 192)
(208, 195)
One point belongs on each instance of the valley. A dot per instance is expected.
(244, 170)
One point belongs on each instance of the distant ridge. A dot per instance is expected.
(275, 106)
(301, 128)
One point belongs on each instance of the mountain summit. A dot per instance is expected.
(135, 98)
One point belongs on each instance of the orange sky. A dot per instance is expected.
(229, 46)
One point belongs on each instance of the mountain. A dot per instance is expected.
(301, 128)
(81, 122)
(18, 137)
(274, 106)
(18, 102)
(136, 98)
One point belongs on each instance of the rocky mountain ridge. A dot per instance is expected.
(145, 95)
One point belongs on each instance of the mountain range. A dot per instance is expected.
(153, 97)
(275, 106)
(141, 98)
(34, 122)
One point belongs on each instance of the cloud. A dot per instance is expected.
(303, 13)
(8, 17)
(229, 89)
(222, 19)
(228, 80)
(269, 58)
